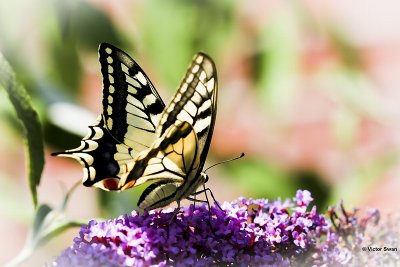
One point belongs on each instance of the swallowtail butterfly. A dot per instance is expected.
(138, 139)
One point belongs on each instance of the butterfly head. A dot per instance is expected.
(204, 177)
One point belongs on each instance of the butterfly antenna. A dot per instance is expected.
(225, 161)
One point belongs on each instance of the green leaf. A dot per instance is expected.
(57, 230)
(48, 223)
(41, 214)
(30, 121)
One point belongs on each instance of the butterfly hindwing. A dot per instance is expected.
(95, 154)
(171, 157)
(171, 164)
(159, 194)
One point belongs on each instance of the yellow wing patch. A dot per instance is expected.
(172, 157)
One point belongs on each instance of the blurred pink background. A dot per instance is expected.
(329, 103)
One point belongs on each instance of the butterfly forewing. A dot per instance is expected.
(131, 111)
(131, 105)
(195, 102)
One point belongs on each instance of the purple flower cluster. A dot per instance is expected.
(246, 232)
(354, 240)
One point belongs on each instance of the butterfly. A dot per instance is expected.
(137, 139)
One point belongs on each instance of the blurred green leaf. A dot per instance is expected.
(72, 28)
(83, 23)
(47, 224)
(174, 31)
(30, 121)
(64, 65)
(278, 62)
(266, 180)
(308, 179)
(349, 53)
(58, 229)
(260, 179)
(44, 233)
(50, 222)
(114, 203)
(41, 214)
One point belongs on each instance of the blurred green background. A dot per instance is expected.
(309, 90)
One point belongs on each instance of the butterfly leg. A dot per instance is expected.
(199, 200)
(175, 212)
(205, 190)
(194, 199)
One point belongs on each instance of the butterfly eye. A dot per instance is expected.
(205, 177)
